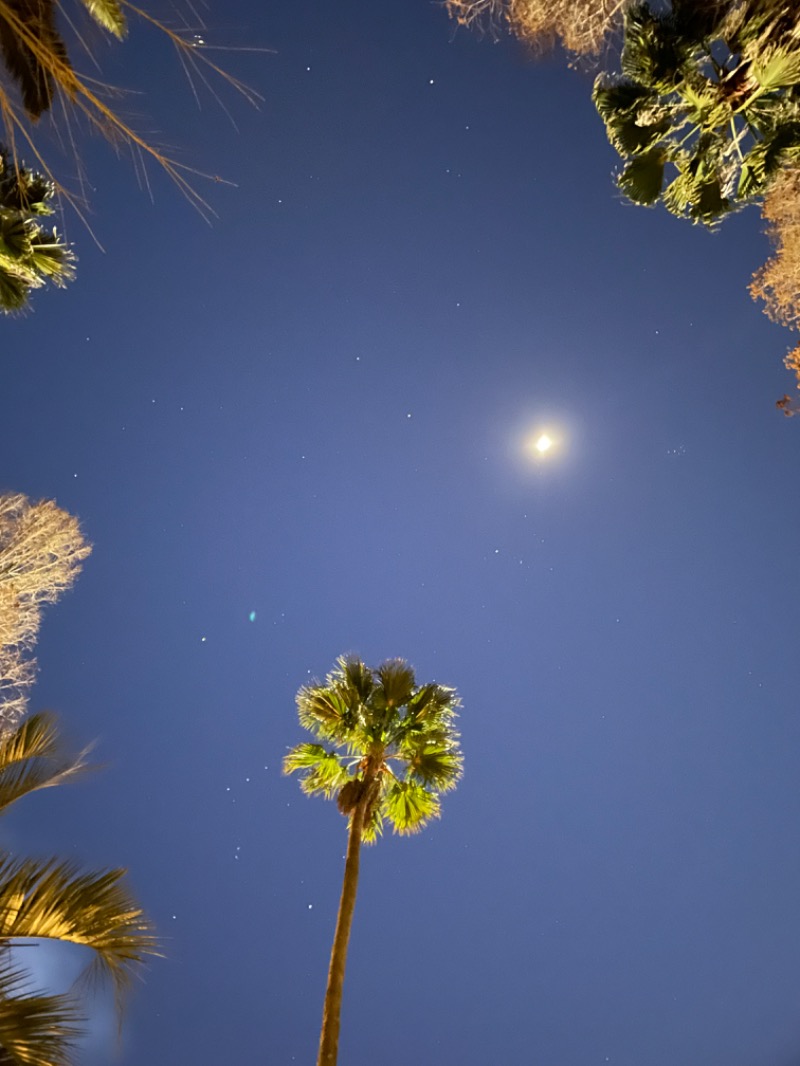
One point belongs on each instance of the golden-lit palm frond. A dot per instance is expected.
(35, 1029)
(32, 757)
(55, 900)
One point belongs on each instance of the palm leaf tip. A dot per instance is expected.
(108, 14)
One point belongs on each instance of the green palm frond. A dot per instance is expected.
(409, 807)
(14, 289)
(55, 900)
(35, 1029)
(352, 679)
(634, 120)
(15, 240)
(50, 258)
(321, 771)
(776, 68)
(698, 196)
(373, 825)
(397, 682)
(642, 177)
(322, 711)
(653, 52)
(434, 766)
(108, 14)
(31, 757)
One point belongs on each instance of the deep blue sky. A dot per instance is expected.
(314, 410)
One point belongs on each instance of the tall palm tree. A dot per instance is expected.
(30, 254)
(52, 899)
(393, 750)
(706, 111)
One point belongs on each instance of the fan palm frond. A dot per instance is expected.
(409, 807)
(323, 771)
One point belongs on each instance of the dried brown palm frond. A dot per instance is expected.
(581, 26)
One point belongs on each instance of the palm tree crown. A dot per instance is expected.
(30, 253)
(707, 109)
(394, 745)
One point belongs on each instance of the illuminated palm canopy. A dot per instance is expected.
(707, 110)
(393, 745)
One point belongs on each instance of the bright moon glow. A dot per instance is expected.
(543, 444)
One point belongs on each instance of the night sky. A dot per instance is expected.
(316, 409)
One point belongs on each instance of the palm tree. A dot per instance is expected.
(52, 899)
(708, 102)
(393, 749)
(30, 254)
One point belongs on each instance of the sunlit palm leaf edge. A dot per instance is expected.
(32, 758)
(380, 724)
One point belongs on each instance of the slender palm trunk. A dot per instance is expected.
(329, 1038)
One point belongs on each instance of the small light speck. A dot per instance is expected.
(311, 906)
(252, 616)
(407, 416)
(202, 640)
(430, 81)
